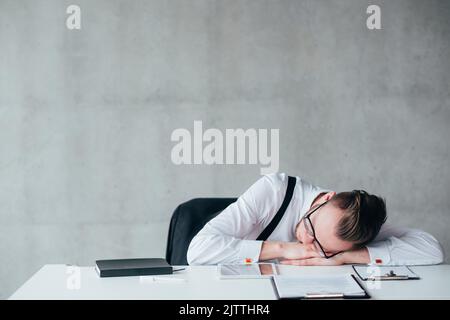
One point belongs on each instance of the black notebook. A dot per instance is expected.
(132, 267)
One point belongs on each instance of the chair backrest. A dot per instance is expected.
(187, 220)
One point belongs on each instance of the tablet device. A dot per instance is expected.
(246, 271)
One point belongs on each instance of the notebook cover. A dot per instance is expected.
(132, 267)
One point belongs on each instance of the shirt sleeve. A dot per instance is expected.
(404, 246)
(222, 240)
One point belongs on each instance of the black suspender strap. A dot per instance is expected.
(287, 199)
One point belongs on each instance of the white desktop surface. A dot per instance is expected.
(51, 282)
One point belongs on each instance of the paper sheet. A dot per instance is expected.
(370, 271)
(301, 286)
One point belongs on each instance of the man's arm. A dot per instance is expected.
(287, 250)
(393, 246)
(222, 240)
(346, 257)
(403, 246)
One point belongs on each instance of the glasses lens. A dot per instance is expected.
(308, 227)
(319, 250)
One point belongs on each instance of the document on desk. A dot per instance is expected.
(320, 286)
(374, 272)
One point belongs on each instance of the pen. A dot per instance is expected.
(167, 279)
(323, 295)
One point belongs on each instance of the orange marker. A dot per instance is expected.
(248, 260)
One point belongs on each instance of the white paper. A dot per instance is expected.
(301, 286)
(371, 271)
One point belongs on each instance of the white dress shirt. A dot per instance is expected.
(230, 236)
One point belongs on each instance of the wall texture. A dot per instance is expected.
(86, 116)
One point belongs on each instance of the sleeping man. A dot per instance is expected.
(318, 227)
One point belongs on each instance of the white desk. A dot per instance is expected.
(51, 282)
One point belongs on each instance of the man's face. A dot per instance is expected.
(325, 222)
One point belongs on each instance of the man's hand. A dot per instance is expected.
(287, 250)
(353, 256)
(296, 250)
(337, 260)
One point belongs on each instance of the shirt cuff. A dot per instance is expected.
(379, 253)
(250, 250)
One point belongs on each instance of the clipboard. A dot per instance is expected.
(322, 295)
(385, 273)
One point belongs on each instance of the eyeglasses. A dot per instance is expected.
(310, 229)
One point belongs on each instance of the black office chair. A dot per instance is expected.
(187, 220)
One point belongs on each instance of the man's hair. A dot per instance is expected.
(364, 214)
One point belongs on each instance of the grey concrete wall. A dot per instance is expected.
(86, 116)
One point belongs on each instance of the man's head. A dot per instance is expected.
(345, 221)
